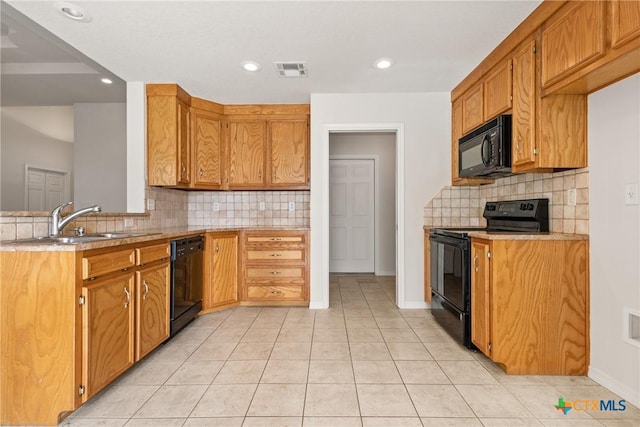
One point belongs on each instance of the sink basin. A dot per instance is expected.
(69, 240)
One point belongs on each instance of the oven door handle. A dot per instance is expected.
(450, 241)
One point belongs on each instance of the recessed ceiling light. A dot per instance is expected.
(72, 11)
(106, 81)
(383, 63)
(250, 66)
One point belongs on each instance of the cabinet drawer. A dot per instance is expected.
(275, 293)
(274, 273)
(93, 266)
(276, 254)
(275, 239)
(152, 253)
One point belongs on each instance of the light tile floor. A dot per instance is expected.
(361, 363)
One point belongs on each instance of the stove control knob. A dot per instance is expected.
(491, 207)
(529, 206)
(523, 206)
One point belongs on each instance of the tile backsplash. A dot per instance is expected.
(177, 208)
(463, 206)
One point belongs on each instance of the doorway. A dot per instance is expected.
(362, 203)
(44, 188)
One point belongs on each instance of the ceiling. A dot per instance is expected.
(201, 44)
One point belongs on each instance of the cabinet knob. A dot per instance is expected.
(217, 248)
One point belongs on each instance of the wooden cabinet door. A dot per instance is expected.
(625, 21)
(289, 153)
(472, 104)
(480, 297)
(497, 91)
(524, 108)
(573, 41)
(108, 320)
(247, 153)
(225, 270)
(184, 154)
(206, 138)
(152, 308)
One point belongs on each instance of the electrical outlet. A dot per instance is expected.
(128, 222)
(571, 197)
(292, 206)
(151, 205)
(262, 206)
(631, 194)
(216, 206)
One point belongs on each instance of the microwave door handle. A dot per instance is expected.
(483, 154)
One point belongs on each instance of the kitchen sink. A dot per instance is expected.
(69, 240)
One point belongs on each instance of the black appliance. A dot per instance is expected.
(486, 151)
(451, 260)
(186, 281)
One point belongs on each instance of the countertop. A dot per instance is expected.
(505, 235)
(157, 234)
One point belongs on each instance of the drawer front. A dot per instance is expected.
(276, 255)
(97, 265)
(275, 239)
(274, 273)
(152, 253)
(275, 293)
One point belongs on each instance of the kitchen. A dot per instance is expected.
(425, 176)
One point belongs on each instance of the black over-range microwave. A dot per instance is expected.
(486, 151)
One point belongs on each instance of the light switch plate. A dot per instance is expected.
(261, 206)
(216, 206)
(151, 205)
(292, 206)
(128, 222)
(631, 194)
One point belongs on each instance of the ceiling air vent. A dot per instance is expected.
(291, 69)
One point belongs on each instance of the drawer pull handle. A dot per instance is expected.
(276, 272)
(126, 302)
(146, 289)
(275, 292)
(276, 255)
(275, 239)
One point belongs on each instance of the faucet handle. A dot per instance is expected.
(59, 208)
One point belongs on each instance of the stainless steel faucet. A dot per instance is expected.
(58, 223)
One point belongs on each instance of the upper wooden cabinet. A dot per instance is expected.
(246, 147)
(168, 155)
(472, 108)
(207, 144)
(289, 149)
(524, 107)
(498, 91)
(573, 40)
(193, 143)
(625, 22)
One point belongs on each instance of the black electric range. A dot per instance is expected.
(450, 261)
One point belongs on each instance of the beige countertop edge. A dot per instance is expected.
(163, 234)
(520, 236)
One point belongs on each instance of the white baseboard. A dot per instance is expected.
(414, 305)
(622, 390)
(385, 273)
(317, 306)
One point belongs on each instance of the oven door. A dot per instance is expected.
(450, 270)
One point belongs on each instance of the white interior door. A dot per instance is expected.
(45, 189)
(352, 220)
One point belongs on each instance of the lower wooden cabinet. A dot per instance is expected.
(274, 267)
(221, 270)
(530, 305)
(152, 308)
(108, 331)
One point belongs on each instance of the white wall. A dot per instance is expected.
(425, 121)
(22, 144)
(383, 146)
(100, 156)
(614, 160)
